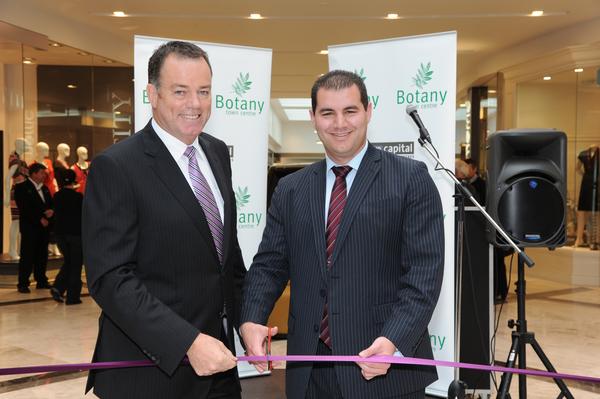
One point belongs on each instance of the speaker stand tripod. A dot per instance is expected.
(520, 338)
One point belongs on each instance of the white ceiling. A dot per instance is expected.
(298, 30)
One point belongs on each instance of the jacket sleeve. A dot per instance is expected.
(422, 244)
(269, 273)
(110, 243)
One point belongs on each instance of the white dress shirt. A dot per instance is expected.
(330, 176)
(38, 187)
(177, 149)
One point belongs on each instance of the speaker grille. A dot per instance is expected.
(531, 210)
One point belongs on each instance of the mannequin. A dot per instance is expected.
(589, 196)
(42, 152)
(60, 164)
(81, 169)
(17, 173)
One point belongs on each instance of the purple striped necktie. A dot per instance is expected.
(334, 216)
(205, 197)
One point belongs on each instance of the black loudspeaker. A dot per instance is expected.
(526, 192)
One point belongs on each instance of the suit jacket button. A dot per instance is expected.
(316, 328)
(323, 292)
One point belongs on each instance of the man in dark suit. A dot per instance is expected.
(35, 209)
(160, 244)
(475, 180)
(360, 237)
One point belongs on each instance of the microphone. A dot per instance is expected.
(412, 111)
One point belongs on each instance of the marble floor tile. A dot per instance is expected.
(564, 317)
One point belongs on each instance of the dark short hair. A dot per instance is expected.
(471, 162)
(36, 167)
(68, 177)
(180, 49)
(337, 80)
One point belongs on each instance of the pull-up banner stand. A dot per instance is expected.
(419, 71)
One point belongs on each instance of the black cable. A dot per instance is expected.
(497, 322)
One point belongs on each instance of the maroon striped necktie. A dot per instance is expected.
(334, 216)
(205, 197)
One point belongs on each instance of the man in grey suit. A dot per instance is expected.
(360, 238)
(160, 244)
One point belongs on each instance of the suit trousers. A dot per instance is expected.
(34, 256)
(323, 383)
(69, 277)
(225, 385)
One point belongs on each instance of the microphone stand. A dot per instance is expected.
(521, 337)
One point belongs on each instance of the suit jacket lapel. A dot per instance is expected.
(222, 181)
(316, 198)
(167, 170)
(366, 174)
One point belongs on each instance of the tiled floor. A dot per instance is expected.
(35, 330)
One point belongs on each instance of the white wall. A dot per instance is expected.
(299, 137)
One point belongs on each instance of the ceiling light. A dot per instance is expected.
(324, 52)
(578, 70)
(109, 61)
(117, 112)
(295, 102)
(119, 14)
(28, 60)
(547, 77)
(256, 16)
(537, 13)
(297, 114)
(54, 44)
(319, 142)
(392, 16)
(82, 53)
(492, 91)
(72, 86)
(463, 105)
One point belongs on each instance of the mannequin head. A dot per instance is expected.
(63, 150)
(42, 150)
(82, 154)
(21, 146)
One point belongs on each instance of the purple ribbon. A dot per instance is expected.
(303, 358)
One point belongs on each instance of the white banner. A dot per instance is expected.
(241, 89)
(420, 71)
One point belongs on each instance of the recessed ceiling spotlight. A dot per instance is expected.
(28, 60)
(392, 16)
(537, 13)
(72, 86)
(83, 53)
(256, 16)
(54, 44)
(109, 61)
(324, 52)
(547, 77)
(578, 70)
(119, 14)
(492, 91)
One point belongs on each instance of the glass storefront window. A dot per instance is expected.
(568, 101)
(58, 96)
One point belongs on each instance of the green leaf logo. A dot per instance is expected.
(241, 197)
(423, 75)
(361, 73)
(242, 84)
